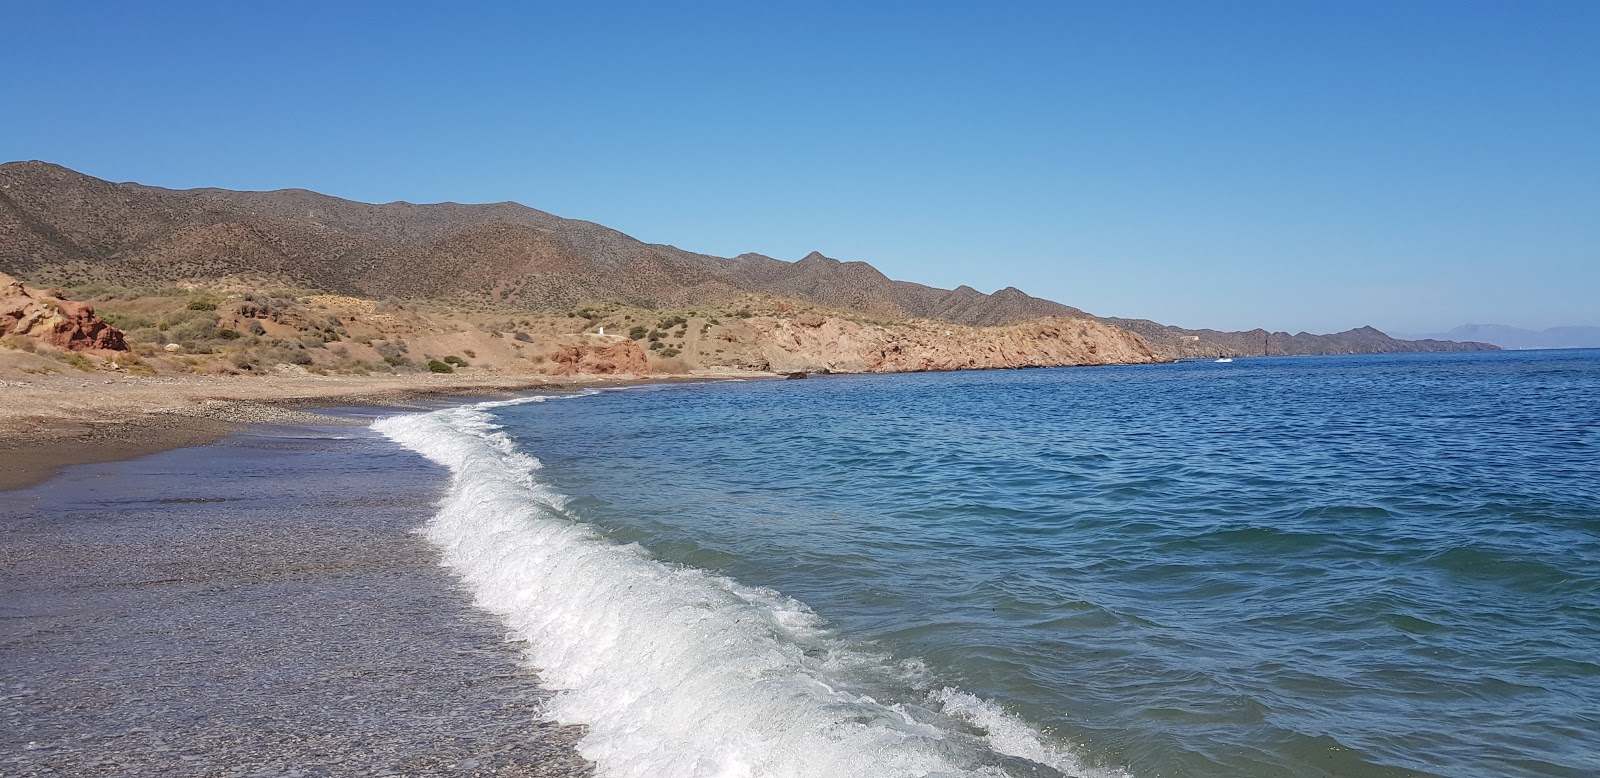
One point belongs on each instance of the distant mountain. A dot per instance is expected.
(1517, 338)
(1180, 343)
(58, 226)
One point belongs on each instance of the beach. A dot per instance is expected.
(52, 421)
(255, 606)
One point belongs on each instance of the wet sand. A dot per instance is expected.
(257, 606)
(51, 422)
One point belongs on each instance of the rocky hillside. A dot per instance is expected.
(1179, 343)
(256, 326)
(62, 227)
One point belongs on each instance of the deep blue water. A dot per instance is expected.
(1352, 566)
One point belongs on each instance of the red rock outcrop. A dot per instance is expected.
(600, 354)
(32, 313)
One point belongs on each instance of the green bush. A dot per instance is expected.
(435, 366)
(126, 321)
(457, 361)
(202, 305)
(228, 334)
(656, 345)
(638, 332)
(669, 352)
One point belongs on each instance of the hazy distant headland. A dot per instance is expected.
(1518, 338)
(240, 281)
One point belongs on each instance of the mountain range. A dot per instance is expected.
(61, 227)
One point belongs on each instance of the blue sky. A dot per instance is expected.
(1409, 164)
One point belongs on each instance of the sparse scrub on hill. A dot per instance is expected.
(124, 320)
(74, 360)
(202, 304)
(656, 345)
(390, 348)
(21, 344)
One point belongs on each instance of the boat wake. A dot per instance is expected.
(679, 672)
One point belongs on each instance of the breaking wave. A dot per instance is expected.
(679, 672)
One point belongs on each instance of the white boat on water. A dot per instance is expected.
(1226, 359)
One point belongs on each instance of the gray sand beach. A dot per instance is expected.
(255, 606)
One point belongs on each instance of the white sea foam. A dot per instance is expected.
(676, 671)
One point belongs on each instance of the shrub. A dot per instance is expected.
(435, 366)
(395, 360)
(638, 332)
(126, 321)
(669, 352)
(458, 361)
(193, 330)
(656, 345)
(470, 354)
(522, 336)
(76, 360)
(202, 305)
(228, 334)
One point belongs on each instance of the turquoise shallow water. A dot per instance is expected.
(1352, 566)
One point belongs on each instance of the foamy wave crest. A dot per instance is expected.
(675, 671)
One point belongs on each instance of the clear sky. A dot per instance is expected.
(1409, 164)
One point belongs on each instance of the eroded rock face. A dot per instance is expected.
(600, 355)
(849, 346)
(65, 324)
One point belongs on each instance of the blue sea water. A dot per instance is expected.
(1340, 566)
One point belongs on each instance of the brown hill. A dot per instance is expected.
(60, 226)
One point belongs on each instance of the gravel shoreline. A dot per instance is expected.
(49, 423)
(259, 606)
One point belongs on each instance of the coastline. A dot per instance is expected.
(53, 422)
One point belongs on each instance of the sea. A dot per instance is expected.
(1382, 565)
